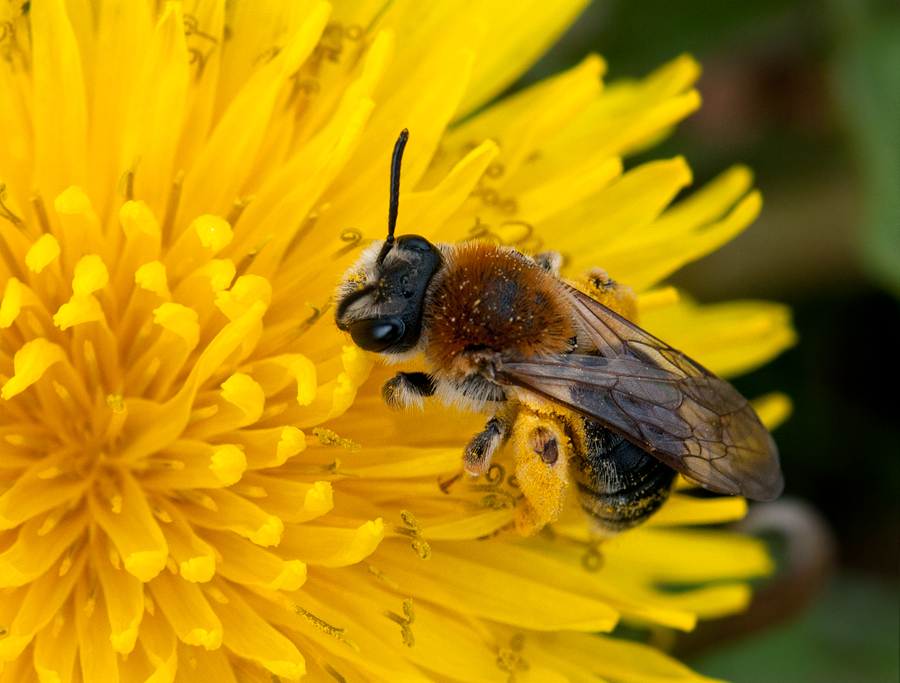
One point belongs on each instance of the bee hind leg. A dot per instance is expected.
(481, 448)
(543, 450)
(407, 389)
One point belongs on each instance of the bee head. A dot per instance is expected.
(385, 314)
(381, 299)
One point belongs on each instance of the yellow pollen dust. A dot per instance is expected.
(329, 438)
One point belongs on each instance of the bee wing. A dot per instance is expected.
(659, 399)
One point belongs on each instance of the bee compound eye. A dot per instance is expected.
(377, 334)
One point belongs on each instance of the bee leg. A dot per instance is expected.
(597, 284)
(480, 449)
(550, 261)
(543, 450)
(407, 389)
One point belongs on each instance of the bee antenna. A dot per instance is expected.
(395, 193)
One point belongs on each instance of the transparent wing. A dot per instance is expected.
(659, 399)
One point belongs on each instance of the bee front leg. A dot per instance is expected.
(480, 450)
(407, 389)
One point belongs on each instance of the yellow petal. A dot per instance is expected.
(30, 363)
(97, 658)
(248, 564)
(332, 547)
(730, 338)
(243, 392)
(42, 599)
(60, 107)
(235, 513)
(42, 253)
(250, 636)
(55, 649)
(187, 610)
(153, 120)
(134, 531)
(78, 310)
(152, 276)
(124, 598)
(35, 550)
(456, 582)
(518, 34)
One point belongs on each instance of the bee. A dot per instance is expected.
(589, 399)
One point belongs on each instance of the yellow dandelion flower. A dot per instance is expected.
(197, 481)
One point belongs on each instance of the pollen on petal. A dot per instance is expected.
(90, 275)
(152, 276)
(42, 253)
(229, 463)
(242, 391)
(214, 232)
(179, 319)
(30, 363)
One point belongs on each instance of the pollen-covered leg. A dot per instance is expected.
(481, 448)
(598, 285)
(407, 389)
(543, 450)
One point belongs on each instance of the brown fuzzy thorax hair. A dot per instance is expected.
(496, 299)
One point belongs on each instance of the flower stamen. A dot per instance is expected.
(172, 208)
(381, 576)
(244, 264)
(331, 671)
(40, 210)
(6, 213)
(405, 622)
(324, 626)
(329, 438)
(413, 530)
(237, 208)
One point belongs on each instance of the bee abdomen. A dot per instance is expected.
(620, 485)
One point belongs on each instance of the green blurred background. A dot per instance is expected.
(808, 95)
